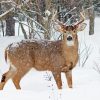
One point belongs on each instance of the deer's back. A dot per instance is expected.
(43, 55)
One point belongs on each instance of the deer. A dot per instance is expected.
(44, 55)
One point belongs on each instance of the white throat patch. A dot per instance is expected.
(70, 43)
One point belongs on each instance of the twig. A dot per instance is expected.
(97, 67)
(69, 11)
(32, 20)
(29, 27)
(34, 12)
(87, 56)
(48, 77)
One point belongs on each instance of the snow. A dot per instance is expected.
(41, 85)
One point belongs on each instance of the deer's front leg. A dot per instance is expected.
(69, 78)
(57, 77)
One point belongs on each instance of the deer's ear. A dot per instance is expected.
(81, 27)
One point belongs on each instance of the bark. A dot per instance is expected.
(44, 19)
(10, 26)
(91, 18)
(2, 26)
(48, 19)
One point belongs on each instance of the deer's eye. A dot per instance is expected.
(74, 31)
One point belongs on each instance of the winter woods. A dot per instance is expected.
(37, 15)
(40, 19)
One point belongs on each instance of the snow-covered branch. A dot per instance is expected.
(29, 27)
(13, 6)
(4, 15)
(27, 16)
(69, 11)
(3, 2)
(34, 12)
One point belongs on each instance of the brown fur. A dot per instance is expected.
(54, 56)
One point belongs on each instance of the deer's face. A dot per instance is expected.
(71, 35)
(70, 32)
(71, 38)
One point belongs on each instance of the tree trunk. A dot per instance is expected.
(40, 8)
(91, 19)
(10, 26)
(46, 22)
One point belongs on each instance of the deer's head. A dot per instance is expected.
(70, 31)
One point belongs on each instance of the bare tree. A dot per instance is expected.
(10, 26)
(91, 17)
(10, 22)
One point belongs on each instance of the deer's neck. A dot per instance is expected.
(70, 53)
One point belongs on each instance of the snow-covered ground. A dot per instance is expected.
(36, 86)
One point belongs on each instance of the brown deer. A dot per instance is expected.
(55, 56)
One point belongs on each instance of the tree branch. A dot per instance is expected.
(5, 14)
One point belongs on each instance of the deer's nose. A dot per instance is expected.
(69, 38)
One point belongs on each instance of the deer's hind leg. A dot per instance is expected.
(5, 77)
(19, 75)
(16, 80)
